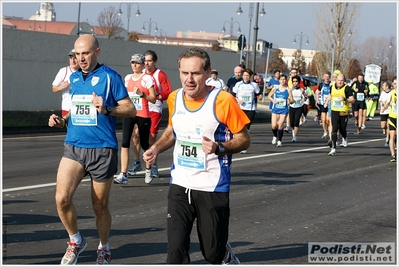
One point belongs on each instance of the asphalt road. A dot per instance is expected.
(281, 199)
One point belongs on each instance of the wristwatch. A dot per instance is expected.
(109, 109)
(220, 150)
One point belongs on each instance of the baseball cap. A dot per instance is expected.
(214, 72)
(72, 53)
(138, 58)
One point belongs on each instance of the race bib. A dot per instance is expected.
(137, 100)
(360, 96)
(83, 112)
(190, 155)
(281, 103)
(338, 103)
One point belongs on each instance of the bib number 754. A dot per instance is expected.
(189, 151)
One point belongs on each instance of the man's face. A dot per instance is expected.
(193, 77)
(394, 84)
(73, 62)
(360, 78)
(293, 73)
(238, 74)
(340, 81)
(326, 78)
(86, 54)
(149, 63)
(214, 76)
(277, 76)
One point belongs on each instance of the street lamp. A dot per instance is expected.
(162, 34)
(239, 10)
(250, 16)
(129, 9)
(231, 28)
(300, 40)
(149, 26)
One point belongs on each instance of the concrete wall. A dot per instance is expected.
(32, 59)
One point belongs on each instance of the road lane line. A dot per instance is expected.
(168, 168)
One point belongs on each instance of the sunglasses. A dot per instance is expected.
(295, 81)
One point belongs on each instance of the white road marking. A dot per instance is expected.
(168, 168)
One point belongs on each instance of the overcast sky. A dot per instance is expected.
(282, 22)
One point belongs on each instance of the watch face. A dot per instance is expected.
(109, 109)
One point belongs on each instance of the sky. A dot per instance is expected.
(283, 21)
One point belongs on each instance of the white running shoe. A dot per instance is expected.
(243, 152)
(345, 142)
(363, 127)
(332, 152)
(274, 140)
(121, 179)
(293, 139)
(325, 135)
(72, 252)
(279, 144)
(103, 257)
(148, 177)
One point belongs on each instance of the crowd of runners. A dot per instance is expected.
(208, 121)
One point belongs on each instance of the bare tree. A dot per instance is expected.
(335, 34)
(298, 61)
(216, 46)
(133, 36)
(276, 62)
(109, 22)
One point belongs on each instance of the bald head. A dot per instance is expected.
(87, 50)
(340, 80)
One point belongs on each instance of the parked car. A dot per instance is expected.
(311, 79)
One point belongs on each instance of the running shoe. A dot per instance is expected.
(332, 152)
(293, 139)
(279, 144)
(384, 132)
(386, 144)
(121, 179)
(329, 143)
(148, 177)
(371, 118)
(136, 167)
(103, 257)
(345, 142)
(339, 140)
(72, 252)
(243, 152)
(393, 159)
(363, 127)
(233, 258)
(154, 170)
(325, 135)
(274, 140)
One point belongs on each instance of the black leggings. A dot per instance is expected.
(295, 116)
(338, 123)
(251, 116)
(144, 125)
